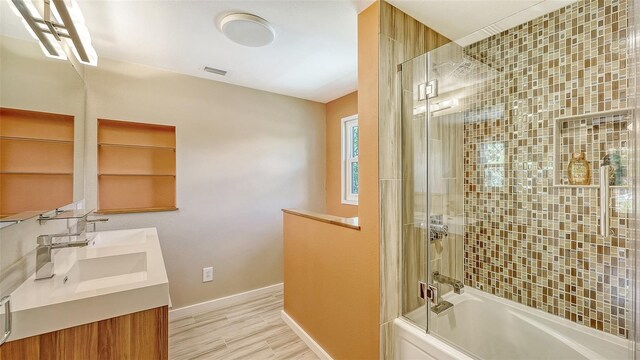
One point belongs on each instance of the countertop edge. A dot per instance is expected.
(350, 223)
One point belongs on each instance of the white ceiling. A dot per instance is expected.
(468, 21)
(314, 55)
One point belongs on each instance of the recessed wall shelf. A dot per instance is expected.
(36, 161)
(596, 134)
(136, 167)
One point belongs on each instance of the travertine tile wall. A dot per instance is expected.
(527, 239)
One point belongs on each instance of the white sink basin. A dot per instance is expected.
(102, 272)
(118, 273)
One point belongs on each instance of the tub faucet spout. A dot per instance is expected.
(458, 286)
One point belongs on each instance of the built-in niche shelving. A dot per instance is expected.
(36, 161)
(136, 167)
(597, 134)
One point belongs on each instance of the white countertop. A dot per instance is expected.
(118, 273)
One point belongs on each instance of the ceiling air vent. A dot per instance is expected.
(215, 71)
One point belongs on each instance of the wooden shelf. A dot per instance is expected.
(172, 175)
(138, 146)
(34, 173)
(132, 211)
(18, 138)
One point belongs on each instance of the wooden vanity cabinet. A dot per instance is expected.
(140, 336)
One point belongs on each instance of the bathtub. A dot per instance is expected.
(493, 328)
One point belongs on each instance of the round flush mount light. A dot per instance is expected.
(247, 29)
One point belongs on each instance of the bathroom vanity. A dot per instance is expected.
(107, 300)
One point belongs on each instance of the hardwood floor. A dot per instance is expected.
(249, 330)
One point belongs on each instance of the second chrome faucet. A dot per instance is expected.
(458, 286)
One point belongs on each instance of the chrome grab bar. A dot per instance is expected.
(6, 301)
(604, 200)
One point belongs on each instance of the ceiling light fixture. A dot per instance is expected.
(62, 20)
(247, 29)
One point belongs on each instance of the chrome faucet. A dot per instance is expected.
(44, 260)
(458, 286)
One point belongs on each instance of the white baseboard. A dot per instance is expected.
(312, 344)
(221, 302)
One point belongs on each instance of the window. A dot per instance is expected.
(350, 149)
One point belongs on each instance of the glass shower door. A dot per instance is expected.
(414, 189)
(445, 92)
(432, 144)
(435, 88)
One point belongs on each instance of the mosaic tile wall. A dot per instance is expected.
(526, 239)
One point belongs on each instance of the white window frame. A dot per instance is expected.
(346, 162)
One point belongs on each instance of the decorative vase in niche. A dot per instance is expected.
(579, 170)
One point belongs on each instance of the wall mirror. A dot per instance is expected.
(42, 112)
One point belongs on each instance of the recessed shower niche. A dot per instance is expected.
(597, 135)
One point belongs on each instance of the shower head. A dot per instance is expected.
(456, 69)
(462, 68)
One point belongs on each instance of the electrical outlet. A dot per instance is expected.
(207, 274)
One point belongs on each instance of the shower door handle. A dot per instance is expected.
(604, 200)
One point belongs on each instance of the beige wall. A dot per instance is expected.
(336, 111)
(242, 155)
